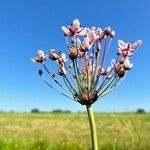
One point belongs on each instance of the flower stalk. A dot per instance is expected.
(92, 126)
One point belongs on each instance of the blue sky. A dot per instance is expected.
(29, 25)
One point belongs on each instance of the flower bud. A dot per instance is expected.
(112, 34)
(41, 57)
(73, 40)
(108, 31)
(40, 72)
(109, 76)
(72, 53)
(121, 72)
(91, 55)
(53, 54)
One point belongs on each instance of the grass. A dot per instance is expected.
(58, 131)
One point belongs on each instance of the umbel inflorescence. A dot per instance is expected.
(82, 73)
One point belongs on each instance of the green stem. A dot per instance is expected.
(92, 126)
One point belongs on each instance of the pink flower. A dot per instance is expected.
(121, 68)
(61, 59)
(75, 25)
(127, 49)
(73, 29)
(86, 44)
(41, 57)
(131, 46)
(93, 34)
(53, 55)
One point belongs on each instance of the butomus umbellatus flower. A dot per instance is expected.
(73, 29)
(127, 49)
(41, 57)
(89, 78)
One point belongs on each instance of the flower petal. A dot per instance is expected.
(66, 31)
(76, 23)
(137, 44)
(34, 60)
(40, 53)
(122, 44)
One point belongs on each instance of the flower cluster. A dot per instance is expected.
(85, 75)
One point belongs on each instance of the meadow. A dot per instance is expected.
(70, 131)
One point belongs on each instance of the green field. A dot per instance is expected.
(60, 131)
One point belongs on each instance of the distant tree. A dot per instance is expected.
(61, 111)
(11, 111)
(57, 111)
(67, 111)
(35, 110)
(140, 111)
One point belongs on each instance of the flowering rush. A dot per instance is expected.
(84, 73)
(83, 70)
